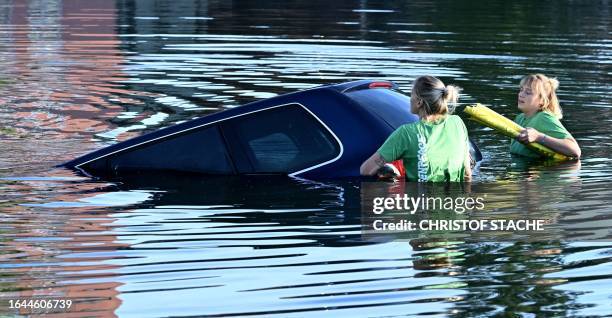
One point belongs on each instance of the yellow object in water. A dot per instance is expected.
(488, 117)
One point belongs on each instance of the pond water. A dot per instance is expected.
(79, 75)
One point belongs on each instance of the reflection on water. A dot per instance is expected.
(291, 247)
(75, 76)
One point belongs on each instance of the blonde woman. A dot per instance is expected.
(537, 100)
(435, 148)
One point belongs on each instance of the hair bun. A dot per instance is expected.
(554, 83)
(435, 95)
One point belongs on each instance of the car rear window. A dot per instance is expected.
(390, 105)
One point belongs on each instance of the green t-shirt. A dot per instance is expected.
(543, 122)
(431, 151)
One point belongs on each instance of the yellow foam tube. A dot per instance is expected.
(488, 117)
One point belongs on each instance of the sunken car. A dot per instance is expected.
(324, 132)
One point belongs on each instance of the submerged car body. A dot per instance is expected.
(324, 132)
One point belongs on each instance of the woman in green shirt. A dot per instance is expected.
(537, 99)
(435, 148)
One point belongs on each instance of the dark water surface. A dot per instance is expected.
(79, 75)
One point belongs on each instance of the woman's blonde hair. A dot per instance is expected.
(545, 88)
(436, 98)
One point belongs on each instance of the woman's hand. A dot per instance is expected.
(567, 146)
(529, 135)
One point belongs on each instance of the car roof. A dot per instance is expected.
(315, 100)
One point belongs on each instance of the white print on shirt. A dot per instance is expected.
(423, 164)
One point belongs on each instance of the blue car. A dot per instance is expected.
(319, 133)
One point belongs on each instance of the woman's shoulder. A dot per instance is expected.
(546, 117)
(551, 125)
(409, 126)
(457, 120)
(407, 129)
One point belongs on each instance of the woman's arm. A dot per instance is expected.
(567, 146)
(468, 168)
(371, 165)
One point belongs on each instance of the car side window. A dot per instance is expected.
(200, 150)
(284, 139)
